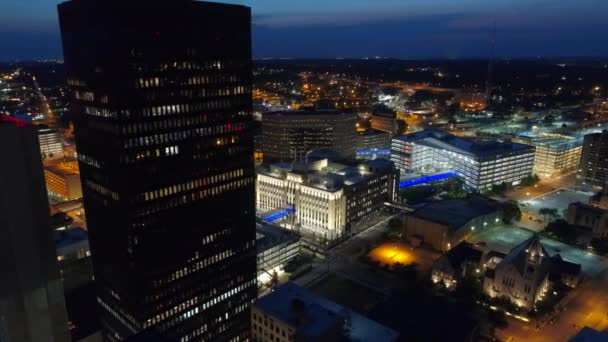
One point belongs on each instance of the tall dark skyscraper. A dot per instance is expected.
(161, 99)
(32, 307)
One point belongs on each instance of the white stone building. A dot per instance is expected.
(328, 197)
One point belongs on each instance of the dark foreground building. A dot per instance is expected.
(32, 307)
(161, 98)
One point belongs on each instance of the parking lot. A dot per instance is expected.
(503, 238)
(558, 199)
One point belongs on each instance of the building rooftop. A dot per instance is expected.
(5, 119)
(444, 140)
(590, 335)
(70, 239)
(304, 112)
(372, 131)
(456, 212)
(549, 139)
(327, 175)
(521, 255)
(270, 235)
(312, 315)
(463, 252)
(590, 208)
(63, 167)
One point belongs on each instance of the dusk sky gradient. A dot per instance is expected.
(366, 28)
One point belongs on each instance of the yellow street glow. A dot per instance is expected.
(392, 253)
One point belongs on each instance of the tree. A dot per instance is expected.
(407, 274)
(600, 246)
(498, 189)
(530, 180)
(381, 108)
(401, 127)
(497, 320)
(454, 188)
(395, 225)
(548, 212)
(469, 289)
(510, 212)
(563, 231)
(418, 193)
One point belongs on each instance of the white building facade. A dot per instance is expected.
(326, 195)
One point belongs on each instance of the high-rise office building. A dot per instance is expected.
(161, 98)
(593, 169)
(32, 306)
(293, 134)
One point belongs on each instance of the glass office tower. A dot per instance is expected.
(161, 99)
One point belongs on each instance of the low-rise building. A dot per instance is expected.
(522, 276)
(444, 224)
(372, 144)
(62, 178)
(599, 200)
(275, 246)
(481, 164)
(526, 273)
(386, 122)
(292, 313)
(73, 257)
(590, 217)
(453, 265)
(373, 139)
(555, 153)
(328, 197)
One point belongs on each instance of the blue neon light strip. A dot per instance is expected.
(426, 179)
(371, 151)
(280, 214)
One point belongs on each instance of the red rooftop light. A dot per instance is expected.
(10, 119)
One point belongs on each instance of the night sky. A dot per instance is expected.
(367, 28)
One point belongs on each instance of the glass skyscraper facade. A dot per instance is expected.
(161, 99)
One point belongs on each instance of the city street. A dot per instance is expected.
(588, 307)
(566, 181)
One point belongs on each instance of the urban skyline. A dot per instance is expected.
(161, 183)
(441, 29)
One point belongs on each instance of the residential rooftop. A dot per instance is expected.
(63, 167)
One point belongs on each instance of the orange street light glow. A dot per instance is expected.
(392, 253)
